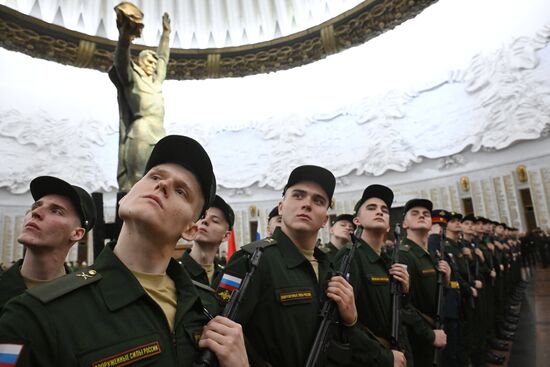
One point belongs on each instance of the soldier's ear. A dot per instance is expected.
(226, 236)
(190, 232)
(77, 234)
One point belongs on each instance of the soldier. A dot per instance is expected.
(273, 220)
(60, 216)
(371, 274)
(486, 317)
(459, 288)
(280, 314)
(135, 304)
(422, 268)
(340, 233)
(215, 228)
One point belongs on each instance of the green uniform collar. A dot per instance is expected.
(291, 254)
(193, 268)
(119, 287)
(372, 256)
(415, 248)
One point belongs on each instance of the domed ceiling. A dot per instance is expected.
(209, 38)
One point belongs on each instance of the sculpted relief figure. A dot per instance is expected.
(140, 100)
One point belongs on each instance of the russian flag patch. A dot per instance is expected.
(228, 282)
(9, 353)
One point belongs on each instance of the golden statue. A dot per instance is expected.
(140, 100)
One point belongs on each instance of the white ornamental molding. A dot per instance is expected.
(41, 145)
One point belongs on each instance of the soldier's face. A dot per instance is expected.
(418, 218)
(342, 230)
(304, 207)
(468, 227)
(213, 228)
(166, 201)
(454, 225)
(374, 214)
(499, 230)
(273, 223)
(148, 64)
(51, 222)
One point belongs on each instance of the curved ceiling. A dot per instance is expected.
(195, 23)
(46, 29)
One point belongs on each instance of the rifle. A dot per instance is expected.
(438, 319)
(329, 312)
(395, 291)
(207, 358)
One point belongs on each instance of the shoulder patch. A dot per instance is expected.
(265, 242)
(203, 286)
(64, 285)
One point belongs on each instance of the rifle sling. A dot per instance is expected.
(427, 318)
(383, 341)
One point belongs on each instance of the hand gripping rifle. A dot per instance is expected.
(329, 312)
(438, 319)
(207, 358)
(396, 292)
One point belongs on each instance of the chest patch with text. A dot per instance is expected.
(378, 279)
(288, 297)
(427, 272)
(129, 356)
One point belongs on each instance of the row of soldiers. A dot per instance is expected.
(482, 301)
(136, 305)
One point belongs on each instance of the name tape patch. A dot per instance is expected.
(130, 356)
(295, 296)
(429, 271)
(379, 279)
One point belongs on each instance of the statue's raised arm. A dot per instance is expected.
(163, 50)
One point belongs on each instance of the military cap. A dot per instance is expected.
(347, 217)
(381, 192)
(82, 201)
(481, 219)
(455, 215)
(469, 217)
(226, 210)
(273, 213)
(322, 176)
(440, 216)
(424, 203)
(189, 154)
